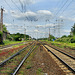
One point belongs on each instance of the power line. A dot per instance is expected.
(66, 7)
(59, 3)
(61, 7)
(23, 5)
(7, 4)
(16, 5)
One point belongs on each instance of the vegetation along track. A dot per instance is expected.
(7, 66)
(67, 60)
(6, 46)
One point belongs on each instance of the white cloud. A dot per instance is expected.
(61, 17)
(19, 29)
(29, 15)
(36, 30)
(67, 31)
(44, 12)
(30, 1)
(5, 11)
(67, 18)
(9, 24)
(50, 25)
(47, 25)
(6, 24)
(37, 26)
(71, 19)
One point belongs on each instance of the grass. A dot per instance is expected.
(18, 45)
(28, 67)
(39, 71)
(0, 51)
(62, 44)
(7, 71)
(7, 42)
(27, 64)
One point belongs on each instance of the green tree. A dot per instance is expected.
(73, 29)
(5, 29)
(51, 37)
(18, 36)
(63, 36)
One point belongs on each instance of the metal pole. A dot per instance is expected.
(49, 34)
(2, 19)
(24, 33)
(2, 24)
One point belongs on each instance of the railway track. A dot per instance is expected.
(63, 52)
(8, 65)
(23, 60)
(67, 60)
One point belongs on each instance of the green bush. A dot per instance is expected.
(65, 39)
(9, 37)
(1, 34)
(73, 40)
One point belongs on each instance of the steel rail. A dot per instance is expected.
(4, 62)
(73, 70)
(59, 50)
(23, 60)
(62, 52)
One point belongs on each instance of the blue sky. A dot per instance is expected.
(38, 16)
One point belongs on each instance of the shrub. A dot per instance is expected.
(73, 40)
(9, 37)
(28, 67)
(1, 34)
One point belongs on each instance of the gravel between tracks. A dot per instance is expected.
(40, 64)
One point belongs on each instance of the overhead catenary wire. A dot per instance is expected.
(9, 7)
(66, 7)
(57, 13)
(59, 3)
(16, 5)
(23, 5)
(7, 4)
(61, 8)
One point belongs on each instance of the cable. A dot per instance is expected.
(23, 6)
(66, 7)
(7, 4)
(61, 7)
(16, 5)
(59, 3)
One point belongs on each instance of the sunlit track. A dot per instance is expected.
(68, 61)
(16, 58)
(63, 52)
(2, 63)
(21, 63)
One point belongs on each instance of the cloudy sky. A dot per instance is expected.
(37, 16)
